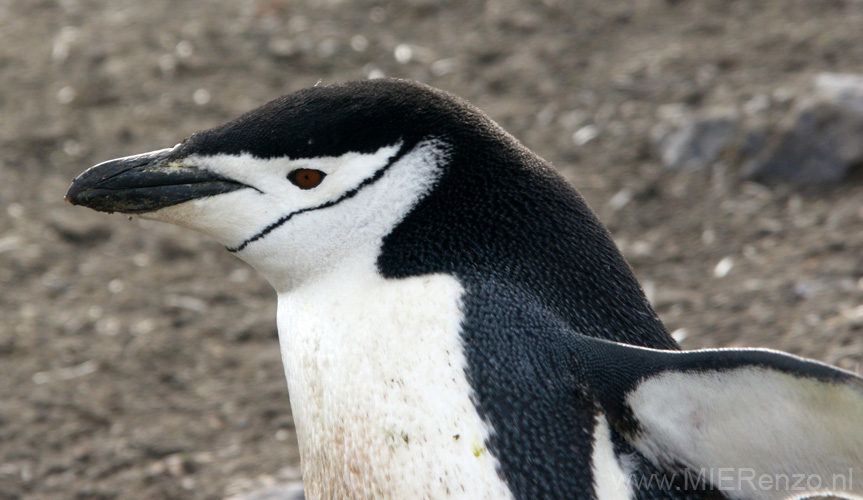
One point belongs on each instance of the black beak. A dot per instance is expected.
(144, 183)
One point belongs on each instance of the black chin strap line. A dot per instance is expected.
(347, 195)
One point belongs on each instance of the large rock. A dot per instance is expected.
(821, 139)
(694, 142)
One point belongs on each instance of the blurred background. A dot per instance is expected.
(720, 141)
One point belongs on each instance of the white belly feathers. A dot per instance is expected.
(381, 404)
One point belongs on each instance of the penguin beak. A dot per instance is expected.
(145, 183)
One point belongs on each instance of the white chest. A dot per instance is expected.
(382, 408)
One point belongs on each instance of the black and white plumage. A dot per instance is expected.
(455, 321)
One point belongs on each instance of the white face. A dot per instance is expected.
(291, 234)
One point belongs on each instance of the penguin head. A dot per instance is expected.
(393, 175)
(299, 184)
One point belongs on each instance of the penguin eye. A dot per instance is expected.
(306, 178)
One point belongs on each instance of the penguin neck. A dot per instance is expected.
(529, 231)
(376, 375)
(308, 270)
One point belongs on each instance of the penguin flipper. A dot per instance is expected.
(752, 423)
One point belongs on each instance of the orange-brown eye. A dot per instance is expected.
(306, 178)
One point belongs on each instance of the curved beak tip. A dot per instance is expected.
(71, 194)
(144, 183)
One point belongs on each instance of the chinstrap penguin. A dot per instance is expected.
(455, 322)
